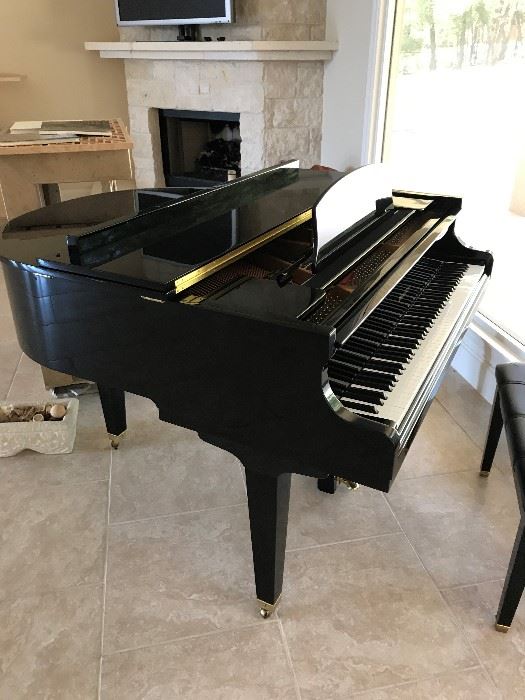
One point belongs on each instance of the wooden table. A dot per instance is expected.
(29, 174)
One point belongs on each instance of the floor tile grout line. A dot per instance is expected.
(402, 479)
(307, 548)
(176, 640)
(459, 586)
(451, 415)
(104, 581)
(442, 597)
(469, 436)
(45, 484)
(174, 515)
(289, 659)
(430, 677)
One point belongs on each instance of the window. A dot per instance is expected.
(456, 124)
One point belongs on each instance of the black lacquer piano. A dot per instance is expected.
(301, 320)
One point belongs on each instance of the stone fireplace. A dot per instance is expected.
(269, 70)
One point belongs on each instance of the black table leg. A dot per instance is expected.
(114, 409)
(268, 500)
(514, 583)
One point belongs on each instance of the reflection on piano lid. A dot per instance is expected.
(91, 212)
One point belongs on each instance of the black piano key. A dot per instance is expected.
(376, 419)
(361, 407)
(374, 380)
(366, 395)
(378, 325)
(340, 377)
(384, 366)
(338, 387)
(353, 356)
(342, 374)
(363, 345)
(401, 353)
(369, 334)
(386, 353)
(409, 333)
(399, 342)
(414, 325)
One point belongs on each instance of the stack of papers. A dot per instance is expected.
(28, 138)
(67, 128)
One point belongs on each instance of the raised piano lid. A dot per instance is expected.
(348, 207)
(173, 248)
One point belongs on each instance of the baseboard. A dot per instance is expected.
(485, 346)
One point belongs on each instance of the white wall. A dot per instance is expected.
(351, 23)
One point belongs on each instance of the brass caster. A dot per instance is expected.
(267, 608)
(114, 440)
(502, 628)
(484, 474)
(350, 485)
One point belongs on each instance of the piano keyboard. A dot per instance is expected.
(380, 370)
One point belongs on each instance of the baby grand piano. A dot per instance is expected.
(301, 320)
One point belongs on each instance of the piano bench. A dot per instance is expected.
(509, 409)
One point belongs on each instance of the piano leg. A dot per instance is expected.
(327, 485)
(114, 409)
(268, 499)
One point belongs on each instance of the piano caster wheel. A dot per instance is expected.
(350, 485)
(115, 440)
(484, 474)
(267, 608)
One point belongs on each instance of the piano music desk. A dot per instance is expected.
(25, 170)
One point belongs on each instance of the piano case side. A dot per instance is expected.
(202, 368)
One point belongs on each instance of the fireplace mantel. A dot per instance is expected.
(216, 50)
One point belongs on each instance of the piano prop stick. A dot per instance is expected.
(300, 319)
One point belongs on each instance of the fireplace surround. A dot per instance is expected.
(269, 70)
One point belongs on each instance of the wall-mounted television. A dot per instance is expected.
(133, 12)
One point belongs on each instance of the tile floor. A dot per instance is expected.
(128, 575)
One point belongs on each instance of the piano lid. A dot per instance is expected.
(351, 203)
(182, 243)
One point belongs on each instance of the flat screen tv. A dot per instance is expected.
(133, 12)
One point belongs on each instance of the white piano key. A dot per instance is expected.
(408, 385)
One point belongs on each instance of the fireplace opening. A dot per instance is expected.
(199, 148)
